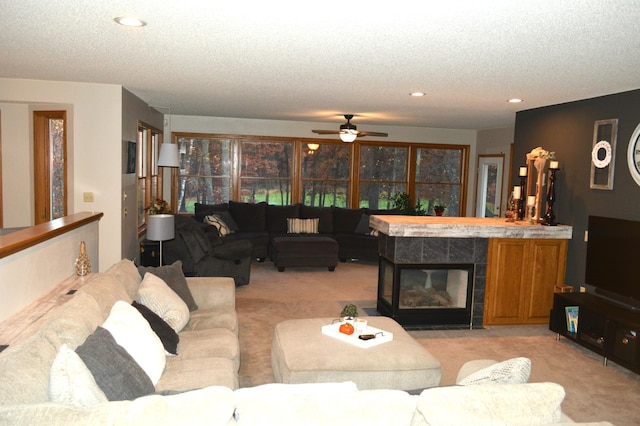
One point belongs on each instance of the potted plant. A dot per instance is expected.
(439, 209)
(402, 201)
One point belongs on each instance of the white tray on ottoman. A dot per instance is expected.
(382, 336)
(301, 353)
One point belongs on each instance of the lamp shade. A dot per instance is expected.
(160, 227)
(348, 135)
(169, 156)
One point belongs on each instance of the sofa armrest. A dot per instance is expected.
(211, 405)
(211, 292)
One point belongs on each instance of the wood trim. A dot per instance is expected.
(29, 237)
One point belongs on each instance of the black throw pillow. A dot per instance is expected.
(114, 370)
(165, 332)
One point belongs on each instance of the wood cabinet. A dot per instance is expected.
(521, 275)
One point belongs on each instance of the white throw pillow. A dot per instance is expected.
(156, 295)
(131, 331)
(489, 405)
(514, 370)
(302, 226)
(71, 382)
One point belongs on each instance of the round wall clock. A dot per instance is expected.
(605, 147)
(633, 155)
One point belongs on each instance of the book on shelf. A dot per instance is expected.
(572, 318)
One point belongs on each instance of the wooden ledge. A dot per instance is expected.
(29, 237)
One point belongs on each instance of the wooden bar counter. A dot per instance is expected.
(524, 262)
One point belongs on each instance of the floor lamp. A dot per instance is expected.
(160, 227)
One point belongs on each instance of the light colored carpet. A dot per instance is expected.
(594, 392)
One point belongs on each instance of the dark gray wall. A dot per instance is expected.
(567, 129)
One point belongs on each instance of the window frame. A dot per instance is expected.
(300, 146)
(147, 171)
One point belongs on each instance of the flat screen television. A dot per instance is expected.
(613, 259)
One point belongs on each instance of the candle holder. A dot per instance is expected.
(550, 217)
(521, 203)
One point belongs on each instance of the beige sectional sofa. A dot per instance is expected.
(200, 384)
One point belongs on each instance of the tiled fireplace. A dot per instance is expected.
(427, 281)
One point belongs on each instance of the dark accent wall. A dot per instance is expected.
(567, 129)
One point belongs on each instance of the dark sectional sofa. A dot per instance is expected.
(261, 222)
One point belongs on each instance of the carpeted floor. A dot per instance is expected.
(594, 392)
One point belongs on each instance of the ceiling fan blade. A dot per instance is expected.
(373, 134)
(327, 132)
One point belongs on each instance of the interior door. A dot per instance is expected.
(489, 185)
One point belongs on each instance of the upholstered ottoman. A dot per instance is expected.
(304, 251)
(300, 353)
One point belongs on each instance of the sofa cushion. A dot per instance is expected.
(131, 331)
(276, 406)
(106, 289)
(173, 276)
(302, 226)
(363, 225)
(187, 408)
(325, 214)
(345, 220)
(514, 370)
(71, 382)
(114, 370)
(126, 272)
(202, 210)
(511, 404)
(155, 294)
(277, 217)
(213, 342)
(167, 335)
(249, 217)
(194, 373)
(25, 371)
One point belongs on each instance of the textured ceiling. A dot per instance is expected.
(313, 61)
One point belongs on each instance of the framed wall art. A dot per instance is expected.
(603, 154)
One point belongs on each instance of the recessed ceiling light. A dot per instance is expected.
(130, 22)
(514, 101)
(417, 94)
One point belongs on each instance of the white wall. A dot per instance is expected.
(28, 274)
(17, 168)
(94, 146)
(302, 129)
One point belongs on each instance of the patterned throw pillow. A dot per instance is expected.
(302, 226)
(511, 371)
(221, 226)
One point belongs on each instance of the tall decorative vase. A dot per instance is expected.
(83, 264)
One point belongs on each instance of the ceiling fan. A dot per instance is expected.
(349, 132)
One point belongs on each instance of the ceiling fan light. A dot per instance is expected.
(348, 135)
(313, 146)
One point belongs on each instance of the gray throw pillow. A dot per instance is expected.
(174, 277)
(114, 370)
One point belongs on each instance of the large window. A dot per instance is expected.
(326, 174)
(439, 178)
(317, 172)
(205, 171)
(266, 172)
(383, 172)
